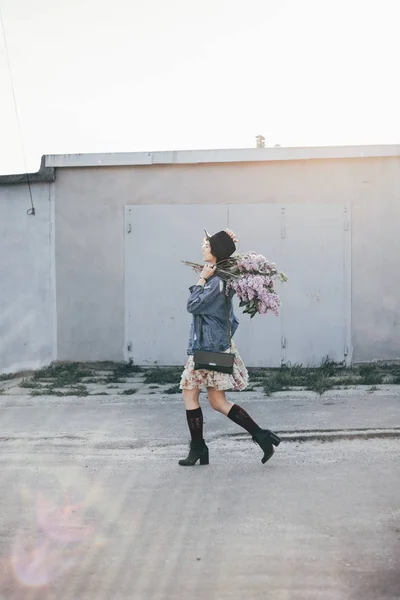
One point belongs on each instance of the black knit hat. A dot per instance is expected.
(221, 244)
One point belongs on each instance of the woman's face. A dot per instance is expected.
(206, 250)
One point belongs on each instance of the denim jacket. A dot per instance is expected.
(207, 305)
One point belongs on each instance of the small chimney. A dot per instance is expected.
(260, 141)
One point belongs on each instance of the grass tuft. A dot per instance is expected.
(30, 385)
(113, 379)
(173, 390)
(63, 374)
(126, 369)
(7, 376)
(163, 376)
(320, 383)
(327, 376)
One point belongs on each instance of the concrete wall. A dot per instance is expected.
(89, 225)
(376, 254)
(90, 238)
(27, 302)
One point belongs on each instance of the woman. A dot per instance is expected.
(209, 331)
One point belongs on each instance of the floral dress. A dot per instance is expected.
(203, 378)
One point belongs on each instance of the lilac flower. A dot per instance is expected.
(255, 284)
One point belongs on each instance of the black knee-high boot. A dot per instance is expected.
(198, 448)
(265, 438)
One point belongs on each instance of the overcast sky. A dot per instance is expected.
(124, 75)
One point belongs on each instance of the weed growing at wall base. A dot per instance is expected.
(329, 375)
(73, 379)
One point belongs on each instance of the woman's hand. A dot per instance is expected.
(232, 235)
(207, 271)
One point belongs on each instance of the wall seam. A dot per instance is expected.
(53, 270)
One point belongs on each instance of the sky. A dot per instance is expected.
(128, 76)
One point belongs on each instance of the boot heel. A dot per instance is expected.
(205, 459)
(276, 440)
(198, 451)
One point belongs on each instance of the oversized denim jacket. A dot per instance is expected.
(207, 304)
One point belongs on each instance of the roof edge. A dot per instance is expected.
(186, 157)
(45, 174)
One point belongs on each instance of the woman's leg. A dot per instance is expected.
(218, 401)
(191, 399)
(237, 414)
(194, 416)
(265, 438)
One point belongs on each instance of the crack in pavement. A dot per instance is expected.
(302, 436)
(324, 435)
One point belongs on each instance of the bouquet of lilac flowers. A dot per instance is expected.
(254, 284)
(252, 278)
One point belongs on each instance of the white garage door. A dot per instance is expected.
(309, 242)
(316, 299)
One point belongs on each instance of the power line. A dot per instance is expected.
(31, 211)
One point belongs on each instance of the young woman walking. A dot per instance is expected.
(209, 331)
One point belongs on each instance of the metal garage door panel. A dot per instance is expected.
(157, 238)
(258, 227)
(315, 303)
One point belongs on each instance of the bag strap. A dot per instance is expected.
(228, 325)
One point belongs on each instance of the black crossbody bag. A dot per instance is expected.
(215, 361)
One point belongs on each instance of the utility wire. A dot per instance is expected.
(31, 211)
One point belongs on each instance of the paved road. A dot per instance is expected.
(94, 505)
